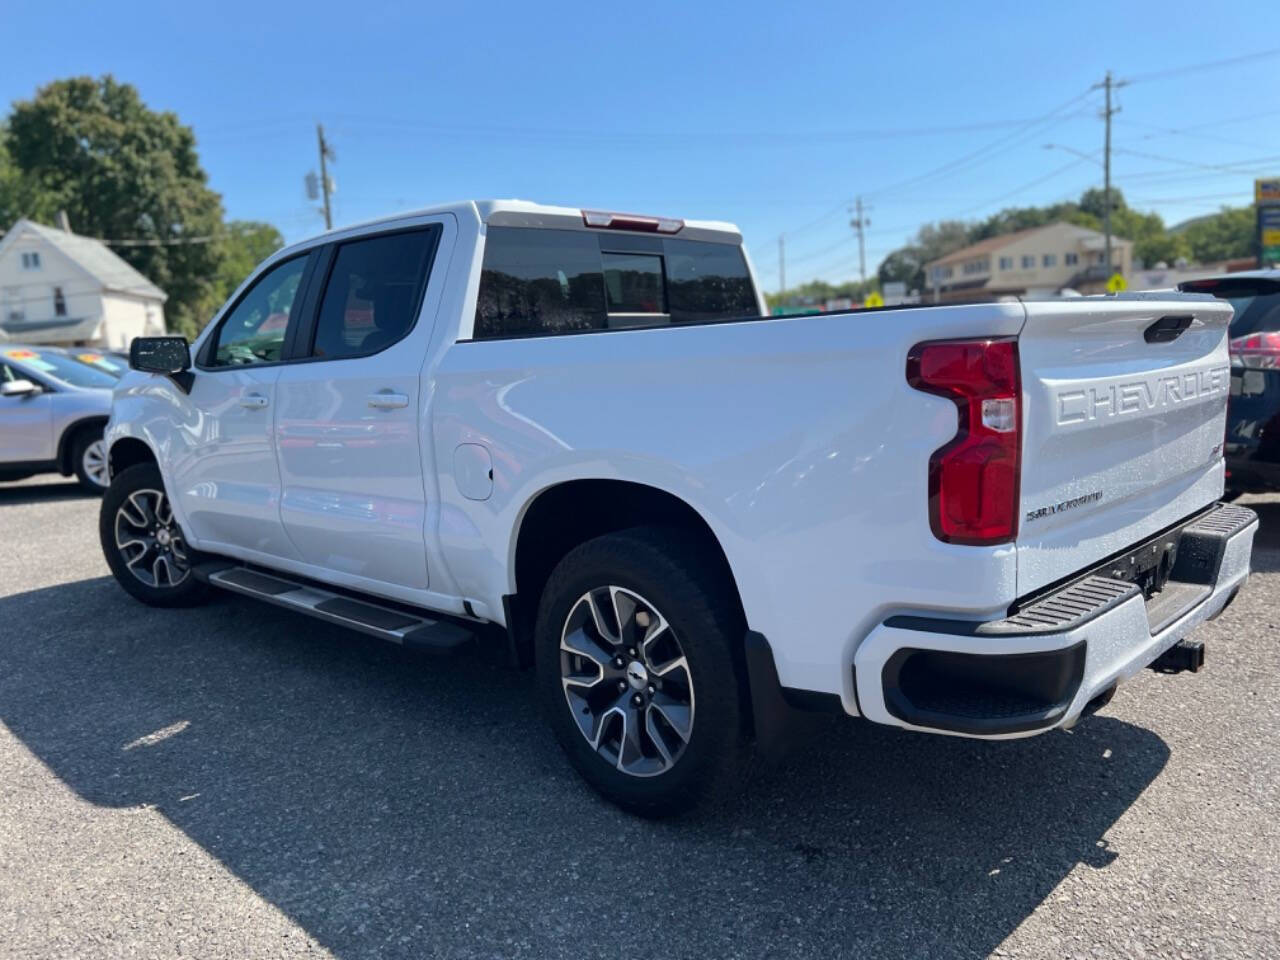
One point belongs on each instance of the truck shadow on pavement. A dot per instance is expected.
(17, 494)
(394, 805)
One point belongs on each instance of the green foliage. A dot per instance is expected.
(932, 241)
(91, 147)
(1227, 235)
(818, 291)
(241, 245)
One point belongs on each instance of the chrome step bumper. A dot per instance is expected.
(1039, 667)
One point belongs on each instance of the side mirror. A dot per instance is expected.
(168, 356)
(19, 388)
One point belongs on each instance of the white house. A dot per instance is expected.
(60, 288)
(1038, 261)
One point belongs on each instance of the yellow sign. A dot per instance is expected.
(1266, 191)
(1271, 238)
(1117, 283)
(873, 300)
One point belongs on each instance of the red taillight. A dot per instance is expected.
(1259, 350)
(631, 221)
(973, 479)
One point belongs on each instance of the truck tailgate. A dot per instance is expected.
(1124, 413)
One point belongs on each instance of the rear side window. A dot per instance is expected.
(708, 281)
(373, 293)
(537, 282)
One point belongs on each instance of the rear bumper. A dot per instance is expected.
(1040, 667)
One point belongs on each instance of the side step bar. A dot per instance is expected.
(408, 629)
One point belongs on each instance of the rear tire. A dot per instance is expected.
(142, 542)
(89, 460)
(636, 674)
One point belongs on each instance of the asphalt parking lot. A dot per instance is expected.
(235, 781)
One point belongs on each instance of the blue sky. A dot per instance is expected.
(771, 115)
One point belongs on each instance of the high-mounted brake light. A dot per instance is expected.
(631, 221)
(974, 477)
(1257, 350)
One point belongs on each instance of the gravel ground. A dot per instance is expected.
(236, 781)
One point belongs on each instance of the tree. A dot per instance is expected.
(20, 195)
(120, 170)
(1228, 235)
(933, 240)
(238, 247)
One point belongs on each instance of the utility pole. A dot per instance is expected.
(326, 153)
(782, 267)
(860, 223)
(1107, 84)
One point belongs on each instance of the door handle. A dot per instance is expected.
(254, 401)
(388, 401)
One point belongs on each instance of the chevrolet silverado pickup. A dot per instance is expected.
(695, 521)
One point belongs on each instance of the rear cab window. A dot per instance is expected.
(544, 282)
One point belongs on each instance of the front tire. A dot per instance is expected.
(142, 542)
(636, 675)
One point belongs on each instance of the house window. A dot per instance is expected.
(1006, 263)
(59, 303)
(31, 260)
(1050, 260)
(1028, 262)
(1070, 259)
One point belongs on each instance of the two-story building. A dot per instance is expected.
(60, 288)
(1037, 262)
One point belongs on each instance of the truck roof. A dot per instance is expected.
(525, 213)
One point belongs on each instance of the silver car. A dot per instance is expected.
(53, 406)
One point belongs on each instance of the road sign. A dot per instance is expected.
(1267, 195)
(1117, 283)
(873, 300)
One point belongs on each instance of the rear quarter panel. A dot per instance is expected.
(798, 440)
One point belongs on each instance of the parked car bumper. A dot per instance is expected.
(1042, 666)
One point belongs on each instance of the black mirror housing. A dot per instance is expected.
(168, 356)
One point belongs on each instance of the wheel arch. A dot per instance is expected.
(127, 452)
(561, 516)
(66, 442)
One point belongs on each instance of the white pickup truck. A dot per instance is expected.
(693, 519)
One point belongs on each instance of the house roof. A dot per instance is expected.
(1090, 239)
(94, 257)
(989, 245)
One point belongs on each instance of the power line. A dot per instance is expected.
(1051, 118)
(1208, 65)
(1225, 167)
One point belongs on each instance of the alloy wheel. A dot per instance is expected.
(626, 681)
(94, 461)
(149, 540)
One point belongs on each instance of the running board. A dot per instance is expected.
(408, 629)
